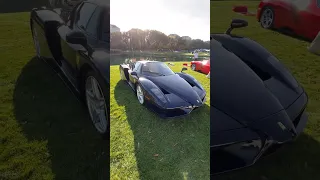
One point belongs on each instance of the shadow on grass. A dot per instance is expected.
(13, 6)
(291, 34)
(175, 148)
(296, 161)
(48, 111)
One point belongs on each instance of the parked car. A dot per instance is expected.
(300, 16)
(78, 50)
(201, 66)
(167, 93)
(257, 105)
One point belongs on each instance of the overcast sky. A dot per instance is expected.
(182, 17)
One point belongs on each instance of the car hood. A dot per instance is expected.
(248, 83)
(178, 86)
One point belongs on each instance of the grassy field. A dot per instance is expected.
(300, 160)
(144, 146)
(45, 133)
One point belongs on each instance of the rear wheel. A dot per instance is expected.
(97, 103)
(193, 67)
(267, 18)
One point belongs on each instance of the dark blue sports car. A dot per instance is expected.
(167, 93)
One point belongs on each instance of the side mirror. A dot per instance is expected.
(76, 37)
(184, 69)
(133, 73)
(237, 23)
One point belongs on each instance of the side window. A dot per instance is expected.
(93, 25)
(318, 3)
(136, 67)
(85, 14)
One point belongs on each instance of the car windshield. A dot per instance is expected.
(156, 68)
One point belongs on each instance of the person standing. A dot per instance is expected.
(195, 54)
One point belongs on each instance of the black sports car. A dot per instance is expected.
(256, 104)
(78, 50)
(167, 93)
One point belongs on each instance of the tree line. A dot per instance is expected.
(153, 40)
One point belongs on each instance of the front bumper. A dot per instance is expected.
(239, 148)
(174, 111)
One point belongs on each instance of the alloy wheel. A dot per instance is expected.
(140, 95)
(267, 18)
(96, 104)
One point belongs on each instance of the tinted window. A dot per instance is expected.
(318, 3)
(156, 68)
(85, 14)
(93, 25)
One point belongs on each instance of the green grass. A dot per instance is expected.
(138, 134)
(299, 160)
(45, 133)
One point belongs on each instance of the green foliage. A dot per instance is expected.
(152, 40)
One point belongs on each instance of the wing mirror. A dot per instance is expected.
(133, 73)
(184, 69)
(77, 37)
(237, 23)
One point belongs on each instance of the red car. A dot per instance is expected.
(300, 16)
(202, 66)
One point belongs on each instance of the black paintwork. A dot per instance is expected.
(255, 101)
(73, 61)
(182, 92)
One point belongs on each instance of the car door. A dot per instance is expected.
(283, 12)
(133, 78)
(79, 22)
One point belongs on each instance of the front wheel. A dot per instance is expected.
(193, 67)
(140, 94)
(97, 103)
(267, 18)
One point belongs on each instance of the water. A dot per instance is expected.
(119, 59)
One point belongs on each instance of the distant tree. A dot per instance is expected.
(153, 40)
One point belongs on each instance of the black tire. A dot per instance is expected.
(105, 90)
(263, 23)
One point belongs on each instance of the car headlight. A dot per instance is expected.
(159, 94)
